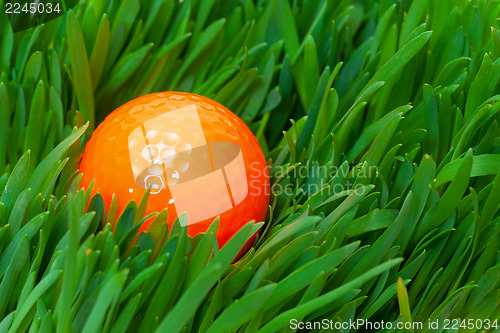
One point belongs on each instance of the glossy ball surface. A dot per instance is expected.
(194, 154)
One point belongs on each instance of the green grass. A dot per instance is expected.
(410, 89)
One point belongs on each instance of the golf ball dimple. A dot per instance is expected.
(153, 137)
(194, 155)
(150, 152)
(170, 139)
(166, 153)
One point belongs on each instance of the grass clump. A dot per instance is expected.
(391, 107)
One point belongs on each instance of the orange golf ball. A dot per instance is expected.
(194, 155)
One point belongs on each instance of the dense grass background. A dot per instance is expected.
(406, 87)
